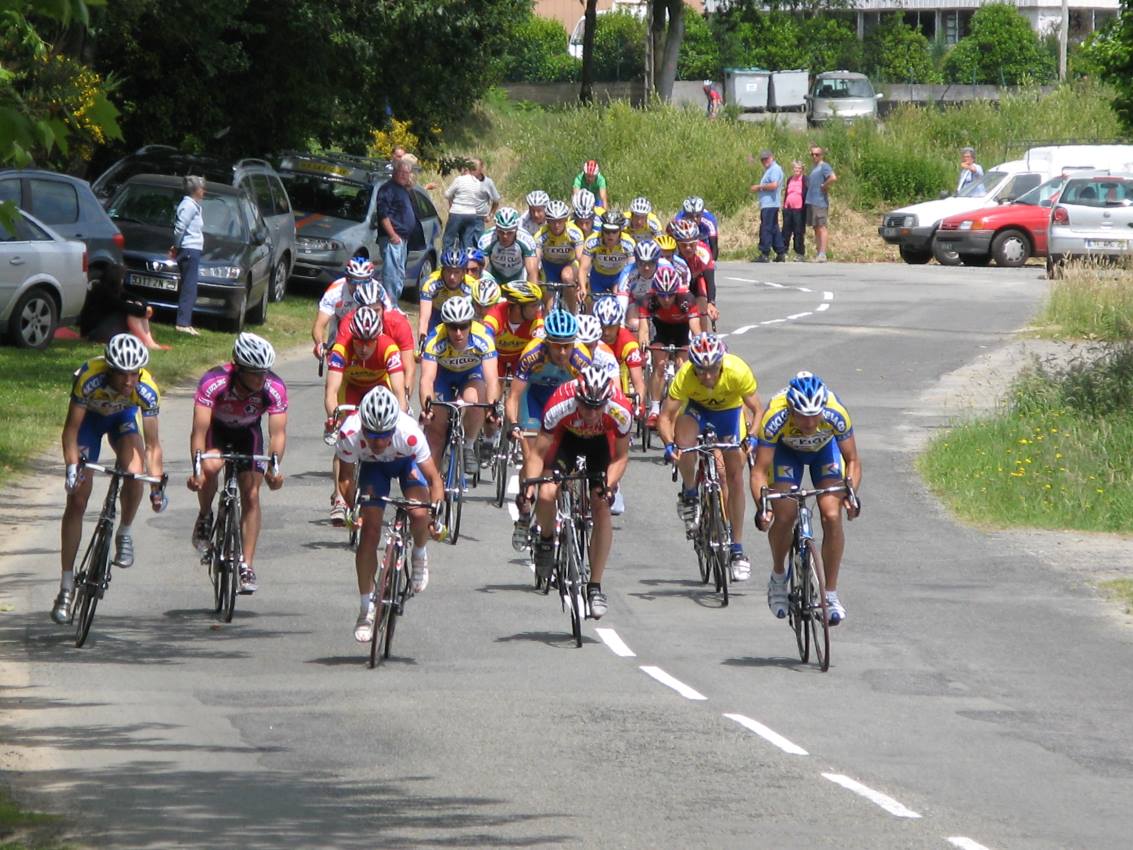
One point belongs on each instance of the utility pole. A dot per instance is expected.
(1063, 35)
(650, 82)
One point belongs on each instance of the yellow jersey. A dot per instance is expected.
(651, 228)
(606, 260)
(439, 349)
(777, 426)
(561, 249)
(736, 382)
(91, 390)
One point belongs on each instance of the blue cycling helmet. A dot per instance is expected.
(475, 255)
(806, 394)
(560, 326)
(454, 258)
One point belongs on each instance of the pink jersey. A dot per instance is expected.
(216, 392)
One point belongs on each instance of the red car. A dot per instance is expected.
(1010, 234)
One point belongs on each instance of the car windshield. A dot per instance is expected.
(983, 186)
(156, 206)
(1041, 195)
(843, 88)
(1104, 191)
(310, 195)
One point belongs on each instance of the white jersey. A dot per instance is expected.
(526, 222)
(337, 301)
(408, 441)
(602, 357)
(507, 264)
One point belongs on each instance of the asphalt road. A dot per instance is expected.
(978, 697)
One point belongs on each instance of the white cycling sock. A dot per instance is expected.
(364, 599)
(421, 554)
(67, 581)
(654, 407)
(124, 530)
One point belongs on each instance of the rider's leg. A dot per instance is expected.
(474, 392)
(833, 538)
(250, 481)
(735, 468)
(601, 538)
(366, 558)
(685, 433)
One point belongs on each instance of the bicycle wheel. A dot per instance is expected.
(819, 621)
(719, 550)
(571, 580)
(702, 543)
(216, 561)
(500, 469)
(452, 494)
(796, 617)
(383, 602)
(230, 563)
(88, 579)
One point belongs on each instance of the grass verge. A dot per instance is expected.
(1120, 589)
(1090, 301)
(36, 384)
(24, 830)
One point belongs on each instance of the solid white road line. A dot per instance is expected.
(803, 289)
(883, 800)
(676, 684)
(775, 285)
(965, 843)
(800, 315)
(743, 330)
(615, 643)
(768, 734)
(773, 321)
(740, 279)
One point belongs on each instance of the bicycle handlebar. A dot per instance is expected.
(406, 503)
(766, 495)
(119, 473)
(557, 477)
(335, 421)
(272, 460)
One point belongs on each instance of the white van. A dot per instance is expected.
(911, 228)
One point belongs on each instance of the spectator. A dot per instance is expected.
(770, 188)
(397, 221)
(970, 170)
(188, 243)
(592, 180)
(473, 198)
(108, 312)
(715, 99)
(818, 200)
(415, 163)
(794, 211)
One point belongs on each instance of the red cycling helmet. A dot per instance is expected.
(590, 168)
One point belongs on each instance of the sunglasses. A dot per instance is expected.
(377, 435)
(461, 327)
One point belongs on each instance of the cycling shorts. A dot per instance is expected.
(449, 385)
(553, 272)
(567, 446)
(825, 464)
(248, 440)
(376, 477)
(535, 398)
(667, 333)
(607, 284)
(730, 425)
(114, 426)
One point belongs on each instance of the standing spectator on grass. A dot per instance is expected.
(592, 180)
(472, 198)
(769, 189)
(970, 170)
(818, 184)
(397, 220)
(715, 100)
(188, 244)
(794, 211)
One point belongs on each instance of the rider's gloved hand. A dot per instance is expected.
(158, 500)
(670, 453)
(71, 483)
(318, 350)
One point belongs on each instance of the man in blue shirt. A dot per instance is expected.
(397, 220)
(770, 189)
(818, 200)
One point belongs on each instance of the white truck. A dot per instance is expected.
(912, 228)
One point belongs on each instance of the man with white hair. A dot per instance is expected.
(397, 220)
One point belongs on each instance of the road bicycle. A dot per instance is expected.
(393, 585)
(330, 437)
(806, 577)
(712, 535)
(669, 371)
(92, 578)
(225, 548)
(557, 289)
(573, 525)
(456, 482)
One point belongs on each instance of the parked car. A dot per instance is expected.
(43, 281)
(1093, 218)
(1010, 234)
(67, 205)
(235, 272)
(335, 202)
(254, 176)
(842, 95)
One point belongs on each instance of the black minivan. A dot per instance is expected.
(236, 268)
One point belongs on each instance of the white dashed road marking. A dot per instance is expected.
(615, 643)
(800, 315)
(827, 297)
(883, 800)
(965, 843)
(768, 734)
(676, 684)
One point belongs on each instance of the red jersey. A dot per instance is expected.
(366, 373)
(626, 349)
(677, 312)
(700, 262)
(562, 414)
(510, 341)
(395, 325)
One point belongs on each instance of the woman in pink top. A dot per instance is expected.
(794, 211)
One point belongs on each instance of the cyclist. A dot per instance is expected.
(536, 216)
(605, 258)
(485, 296)
(459, 362)
(702, 268)
(107, 395)
(388, 444)
(544, 365)
(668, 246)
(583, 213)
(338, 300)
(586, 417)
(806, 425)
(515, 323)
(450, 281)
(361, 360)
(476, 261)
(601, 355)
(591, 180)
(675, 320)
(623, 344)
(395, 324)
(227, 411)
(713, 389)
(693, 209)
(510, 252)
(560, 246)
(639, 277)
(643, 224)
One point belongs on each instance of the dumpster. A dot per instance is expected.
(746, 88)
(788, 90)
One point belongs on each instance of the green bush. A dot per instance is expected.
(619, 47)
(829, 43)
(700, 53)
(779, 40)
(895, 175)
(538, 53)
(1002, 49)
(899, 53)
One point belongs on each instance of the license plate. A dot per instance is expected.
(890, 231)
(153, 282)
(1107, 244)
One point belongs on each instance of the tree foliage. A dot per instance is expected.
(1109, 53)
(1001, 49)
(619, 47)
(778, 40)
(897, 52)
(700, 54)
(538, 53)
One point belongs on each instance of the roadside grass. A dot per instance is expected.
(1120, 589)
(24, 830)
(36, 384)
(1091, 301)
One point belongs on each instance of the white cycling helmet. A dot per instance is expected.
(557, 211)
(486, 292)
(806, 394)
(584, 204)
(507, 218)
(126, 353)
(359, 268)
(457, 311)
(647, 251)
(366, 324)
(253, 352)
(693, 205)
(609, 311)
(369, 294)
(589, 329)
(538, 198)
(379, 410)
(640, 206)
(594, 386)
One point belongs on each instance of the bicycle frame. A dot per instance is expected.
(456, 482)
(556, 290)
(712, 537)
(393, 586)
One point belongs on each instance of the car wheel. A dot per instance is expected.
(944, 256)
(34, 319)
(1011, 249)
(235, 323)
(258, 314)
(914, 257)
(278, 284)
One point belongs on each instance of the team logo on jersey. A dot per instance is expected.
(831, 470)
(784, 472)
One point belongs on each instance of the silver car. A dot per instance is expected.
(43, 281)
(1093, 218)
(843, 96)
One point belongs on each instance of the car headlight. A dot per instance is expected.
(966, 224)
(309, 243)
(221, 272)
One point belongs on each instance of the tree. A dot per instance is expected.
(1001, 49)
(590, 22)
(900, 53)
(666, 34)
(1110, 52)
(619, 47)
(700, 53)
(538, 53)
